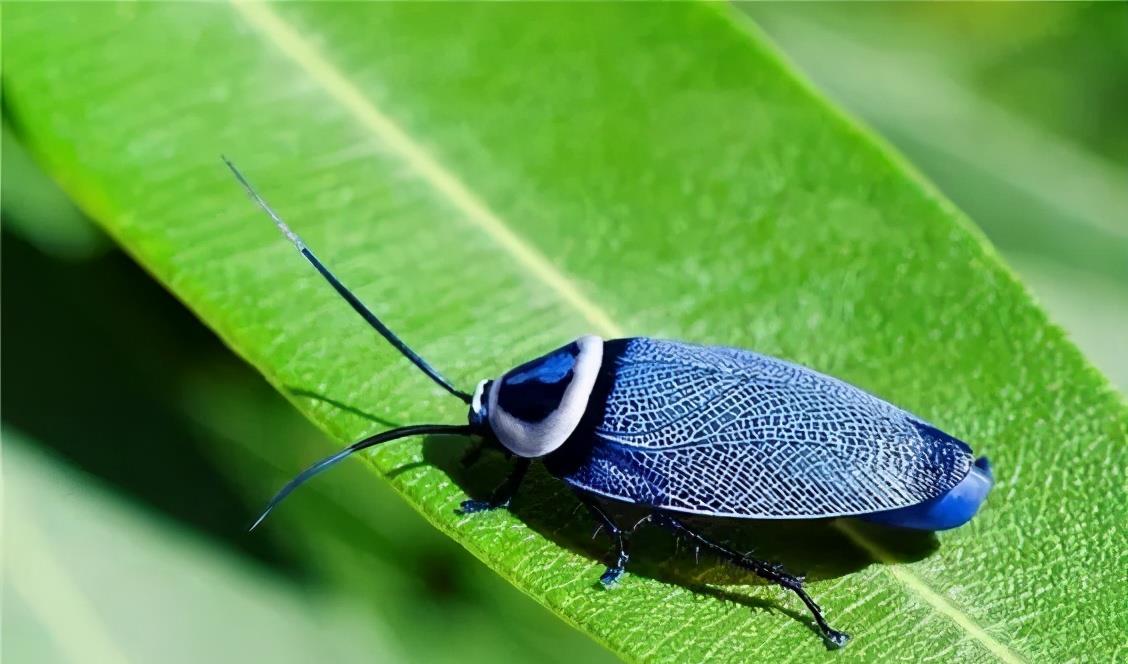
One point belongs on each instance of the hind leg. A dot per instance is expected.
(764, 570)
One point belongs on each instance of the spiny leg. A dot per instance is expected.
(618, 535)
(501, 495)
(768, 571)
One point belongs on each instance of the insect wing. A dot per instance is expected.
(728, 432)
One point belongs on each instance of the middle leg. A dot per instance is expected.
(618, 536)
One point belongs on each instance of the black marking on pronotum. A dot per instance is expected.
(703, 431)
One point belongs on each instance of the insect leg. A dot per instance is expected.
(501, 495)
(764, 570)
(611, 576)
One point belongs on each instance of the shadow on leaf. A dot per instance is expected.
(815, 548)
(317, 396)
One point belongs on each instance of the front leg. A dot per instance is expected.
(501, 495)
(618, 535)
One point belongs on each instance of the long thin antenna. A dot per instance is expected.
(357, 305)
(394, 434)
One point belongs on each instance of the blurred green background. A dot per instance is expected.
(129, 480)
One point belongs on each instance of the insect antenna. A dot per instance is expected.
(344, 292)
(383, 437)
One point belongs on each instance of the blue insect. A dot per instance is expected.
(686, 430)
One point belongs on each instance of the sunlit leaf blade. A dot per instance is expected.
(1042, 196)
(497, 179)
(1035, 192)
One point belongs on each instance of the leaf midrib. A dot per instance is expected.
(339, 88)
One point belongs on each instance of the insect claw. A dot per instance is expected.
(611, 577)
(473, 506)
(835, 639)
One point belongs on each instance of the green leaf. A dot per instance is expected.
(1033, 191)
(1043, 197)
(495, 180)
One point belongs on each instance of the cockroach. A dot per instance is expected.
(689, 430)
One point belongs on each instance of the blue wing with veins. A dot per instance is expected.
(727, 432)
